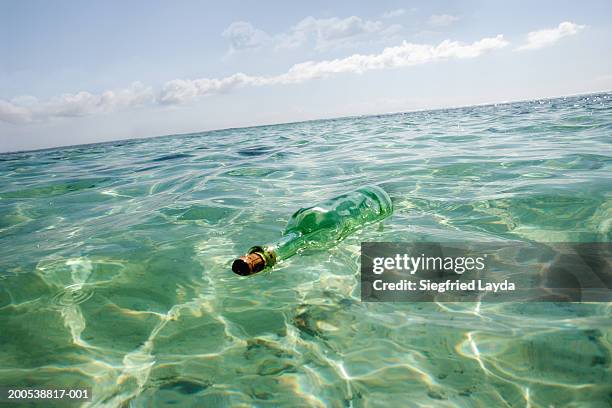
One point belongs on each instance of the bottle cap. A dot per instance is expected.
(249, 264)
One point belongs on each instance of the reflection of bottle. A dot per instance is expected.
(319, 226)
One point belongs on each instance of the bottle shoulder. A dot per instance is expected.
(366, 204)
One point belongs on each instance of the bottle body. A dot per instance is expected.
(322, 225)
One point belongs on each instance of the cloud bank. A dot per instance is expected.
(180, 91)
(544, 38)
(28, 109)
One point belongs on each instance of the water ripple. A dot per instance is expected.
(73, 295)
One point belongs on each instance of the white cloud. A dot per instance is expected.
(407, 54)
(243, 35)
(442, 20)
(12, 113)
(321, 33)
(393, 13)
(27, 109)
(546, 37)
(180, 91)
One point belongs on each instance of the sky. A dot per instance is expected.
(84, 72)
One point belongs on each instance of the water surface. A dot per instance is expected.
(115, 261)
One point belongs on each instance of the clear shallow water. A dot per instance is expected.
(115, 263)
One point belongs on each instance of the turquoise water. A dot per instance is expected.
(115, 269)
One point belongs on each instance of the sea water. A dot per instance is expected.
(115, 268)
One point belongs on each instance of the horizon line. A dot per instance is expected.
(452, 107)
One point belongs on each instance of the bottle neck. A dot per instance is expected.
(288, 245)
(279, 250)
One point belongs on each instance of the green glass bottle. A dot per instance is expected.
(319, 226)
